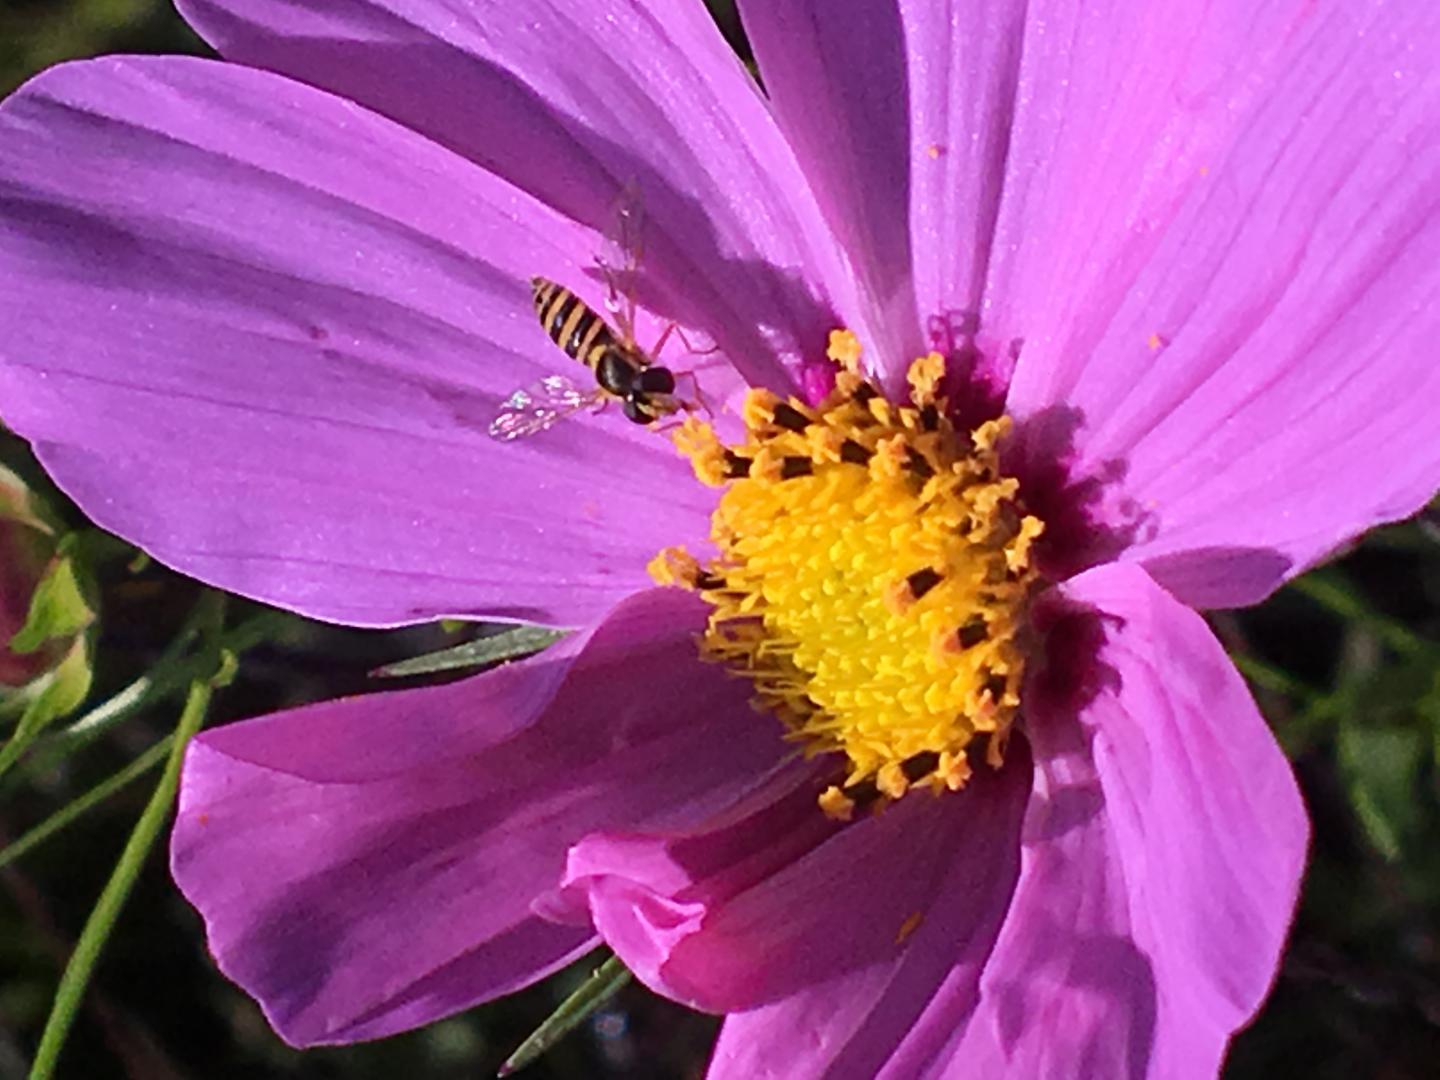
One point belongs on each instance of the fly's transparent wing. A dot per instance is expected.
(619, 262)
(541, 406)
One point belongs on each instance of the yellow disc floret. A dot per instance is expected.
(871, 579)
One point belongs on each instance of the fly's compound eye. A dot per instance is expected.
(637, 410)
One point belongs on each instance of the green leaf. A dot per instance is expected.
(57, 610)
(604, 982)
(506, 645)
(1381, 767)
(58, 693)
(19, 503)
(68, 686)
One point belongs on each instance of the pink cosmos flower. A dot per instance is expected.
(258, 316)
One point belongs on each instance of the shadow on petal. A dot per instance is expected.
(538, 128)
(1163, 851)
(1220, 577)
(372, 864)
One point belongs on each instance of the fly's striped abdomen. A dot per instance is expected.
(572, 324)
(623, 371)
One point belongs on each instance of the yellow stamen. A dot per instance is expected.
(844, 349)
(698, 441)
(872, 577)
(836, 804)
(925, 376)
(675, 566)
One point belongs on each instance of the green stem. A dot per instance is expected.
(165, 680)
(604, 982)
(1269, 677)
(107, 909)
(96, 795)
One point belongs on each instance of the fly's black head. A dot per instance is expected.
(655, 380)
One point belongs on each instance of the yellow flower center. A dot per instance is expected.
(871, 579)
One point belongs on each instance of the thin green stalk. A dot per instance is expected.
(1269, 677)
(1298, 730)
(1327, 591)
(170, 674)
(77, 974)
(603, 984)
(164, 680)
(96, 795)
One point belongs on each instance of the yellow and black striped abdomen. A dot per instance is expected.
(572, 324)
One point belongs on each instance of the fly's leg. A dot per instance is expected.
(700, 400)
(674, 328)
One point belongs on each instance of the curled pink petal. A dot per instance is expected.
(368, 865)
(831, 944)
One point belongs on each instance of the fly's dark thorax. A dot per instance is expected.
(616, 369)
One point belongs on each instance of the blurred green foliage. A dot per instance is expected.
(37, 33)
(1346, 664)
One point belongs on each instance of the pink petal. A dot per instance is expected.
(901, 116)
(1163, 854)
(279, 375)
(1219, 244)
(572, 100)
(1157, 871)
(371, 864)
(837, 86)
(831, 943)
